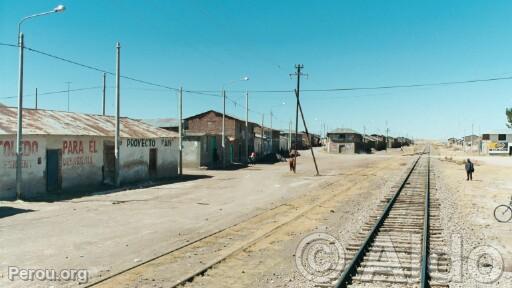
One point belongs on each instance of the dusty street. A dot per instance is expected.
(240, 228)
(106, 234)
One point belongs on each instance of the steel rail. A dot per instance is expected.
(424, 282)
(346, 277)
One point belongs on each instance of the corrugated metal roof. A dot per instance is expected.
(343, 131)
(48, 122)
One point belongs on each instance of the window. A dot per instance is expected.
(486, 137)
(502, 137)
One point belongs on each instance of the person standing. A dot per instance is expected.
(470, 168)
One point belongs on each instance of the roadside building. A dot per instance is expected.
(345, 141)
(497, 143)
(314, 139)
(403, 141)
(471, 143)
(209, 125)
(269, 143)
(380, 142)
(72, 152)
(304, 142)
(455, 141)
(284, 144)
(370, 142)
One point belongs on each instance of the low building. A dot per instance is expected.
(497, 143)
(209, 124)
(380, 142)
(72, 152)
(345, 141)
(472, 143)
(269, 143)
(304, 142)
(370, 142)
(455, 141)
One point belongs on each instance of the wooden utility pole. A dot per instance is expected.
(180, 129)
(299, 108)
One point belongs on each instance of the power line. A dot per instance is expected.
(54, 92)
(98, 69)
(416, 85)
(8, 44)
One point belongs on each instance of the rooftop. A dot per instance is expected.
(343, 131)
(49, 122)
(162, 122)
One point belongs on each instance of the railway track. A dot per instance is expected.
(398, 237)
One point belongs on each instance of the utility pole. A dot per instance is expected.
(180, 128)
(104, 92)
(36, 98)
(246, 126)
(364, 134)
(262, 135)
(472, 133)
(271, 134)
(290, 136)
(299, 108)
(68, 83)
(118, 112)
(387, 136)
(223, 128)
(298, 73)
(20, 119)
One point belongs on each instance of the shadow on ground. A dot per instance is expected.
(107, 189)
(6, 211)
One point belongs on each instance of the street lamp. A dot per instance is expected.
(245, 78)
(59, 8)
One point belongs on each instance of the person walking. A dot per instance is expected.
(470, 168)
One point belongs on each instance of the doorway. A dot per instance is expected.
(53, 170)
(109, 163)
(152, 162)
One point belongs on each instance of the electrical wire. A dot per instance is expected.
(54, 92)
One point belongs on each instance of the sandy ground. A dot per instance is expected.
(108, 233)
(473, 204)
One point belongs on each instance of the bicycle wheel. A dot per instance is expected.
(503, 213)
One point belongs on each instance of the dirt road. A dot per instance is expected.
(109, 233)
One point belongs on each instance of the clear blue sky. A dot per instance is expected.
(203, 44)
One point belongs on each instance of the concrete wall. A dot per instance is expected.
(134, 154)
(493, 146)
(346, 148)
(192, 150)
(82, 162)
(33, 164)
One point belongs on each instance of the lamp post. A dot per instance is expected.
(245, 78)
(59, 8)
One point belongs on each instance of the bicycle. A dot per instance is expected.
(503, 213)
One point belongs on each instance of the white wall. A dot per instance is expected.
(192, 153)
(82, 162)
(134, 155)
(33, 166)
